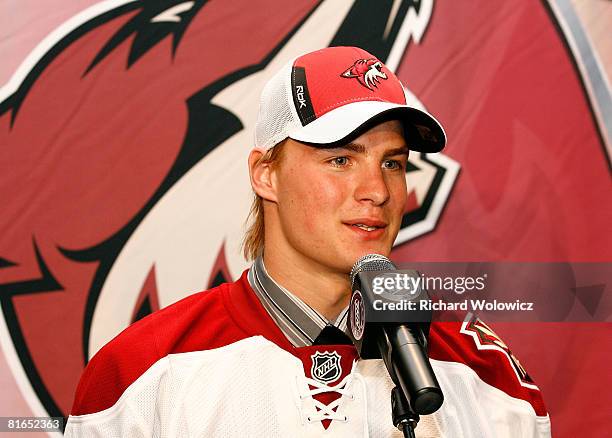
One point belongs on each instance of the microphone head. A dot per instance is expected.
(371, 262)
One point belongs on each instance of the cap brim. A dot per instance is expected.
(423, 132)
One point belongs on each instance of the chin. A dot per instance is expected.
(345, 256)
(356, 255)
(379, 248)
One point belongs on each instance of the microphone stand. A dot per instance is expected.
(400, 340)
(404, 418)
(428, 399)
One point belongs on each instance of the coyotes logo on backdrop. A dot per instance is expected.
(124, 140)
(125, 177)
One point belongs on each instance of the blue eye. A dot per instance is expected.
(340, 161)
(392, 165)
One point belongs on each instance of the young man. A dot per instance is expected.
(267, 355)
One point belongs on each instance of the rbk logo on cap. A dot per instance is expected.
(367, 71)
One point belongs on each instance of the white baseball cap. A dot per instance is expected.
(326, 96)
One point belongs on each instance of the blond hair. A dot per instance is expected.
(253, 241)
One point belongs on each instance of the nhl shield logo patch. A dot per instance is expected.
(326, 366)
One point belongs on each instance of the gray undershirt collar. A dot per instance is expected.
(299, 322)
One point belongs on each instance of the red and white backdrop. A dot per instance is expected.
(125, 127)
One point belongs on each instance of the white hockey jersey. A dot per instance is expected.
(216, 365)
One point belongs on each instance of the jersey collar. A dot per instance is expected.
(301, 324)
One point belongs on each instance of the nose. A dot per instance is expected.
(372, 185)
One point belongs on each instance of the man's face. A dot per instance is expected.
(336, 205)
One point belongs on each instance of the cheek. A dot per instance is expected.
(399, 196)
(313, 203)
(321, 206)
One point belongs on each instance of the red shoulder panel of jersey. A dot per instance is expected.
(476, 345)
(202, 321)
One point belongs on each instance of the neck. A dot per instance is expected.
(325, 291)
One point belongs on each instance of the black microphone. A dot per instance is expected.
(389, 318)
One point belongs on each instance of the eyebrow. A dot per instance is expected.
(360, 149)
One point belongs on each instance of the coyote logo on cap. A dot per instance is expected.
(367, 71)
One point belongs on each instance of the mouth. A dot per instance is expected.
(369, 226)
(365, 227)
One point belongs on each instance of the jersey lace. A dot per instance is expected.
(330, 411)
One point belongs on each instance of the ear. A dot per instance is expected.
(261, 176)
